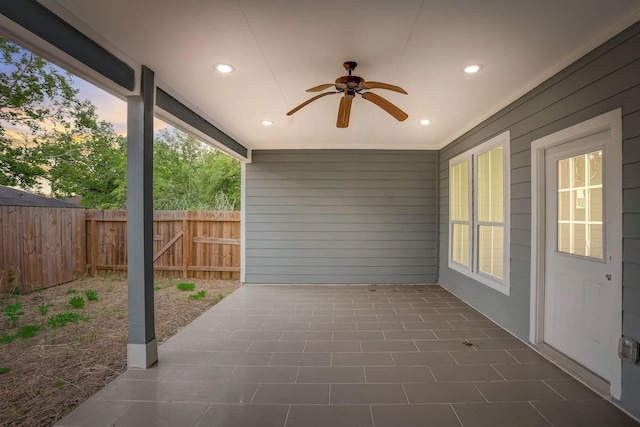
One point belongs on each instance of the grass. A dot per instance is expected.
(44, 308)
(13, 313)
(26, 331)
(84, 348)
(63, 319)
(186, 286)
(198, 295)
(91, 295)
(4, 369)
(76, 302)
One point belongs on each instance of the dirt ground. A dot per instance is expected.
(49, 374)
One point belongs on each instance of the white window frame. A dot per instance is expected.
(471, 156)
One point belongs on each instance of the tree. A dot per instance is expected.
(190, 175)
(89, 160)
(48, 133)
(219, 180)
(35, 97)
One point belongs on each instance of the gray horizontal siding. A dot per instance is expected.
(345, 244)
(605, 79)
(341, 216)
(354, 184)
(345, 209)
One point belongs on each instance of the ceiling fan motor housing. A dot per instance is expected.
(349, 82)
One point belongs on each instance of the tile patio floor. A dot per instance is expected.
(366, 356)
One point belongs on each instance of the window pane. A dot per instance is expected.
(595, 168)
(595, 241)
(564, 205)
(459, 200)
(579, 239)
(491, 250)
(460, 244)
(580, 205)
(578, 171)
(491, 186)
(595, 204)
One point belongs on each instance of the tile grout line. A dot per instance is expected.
(475, 384)
(297, 375)
(406, 396)
(555, 391)
(373, 423)
(541, 414)
(286, 418)
(456, 414)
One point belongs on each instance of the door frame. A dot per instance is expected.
(608, 121)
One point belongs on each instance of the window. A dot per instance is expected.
(479, 213)
(580, 205)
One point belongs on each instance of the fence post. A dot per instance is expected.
(186, 239)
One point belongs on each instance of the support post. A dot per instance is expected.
(142, 350)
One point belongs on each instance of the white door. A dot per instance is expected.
(582, 273)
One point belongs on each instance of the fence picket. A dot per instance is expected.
(209, 250)
(45, 246)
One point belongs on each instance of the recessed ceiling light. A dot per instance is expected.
(224, 68)
(267, 123)
(470, 69)
(425, 122)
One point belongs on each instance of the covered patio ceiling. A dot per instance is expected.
(280, 48)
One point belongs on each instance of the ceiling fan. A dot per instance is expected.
(351, 86)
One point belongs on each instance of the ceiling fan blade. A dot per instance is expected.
(321, 87)
(344, 111)
(378, 85)
(308, 101)
(385, 105)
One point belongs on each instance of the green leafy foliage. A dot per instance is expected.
(77, 301)
(198, 295)
(186, 286)
(35, 96)
(26, 331)
(71, 291)
(91, 295)
(13, 312)
(188, 175)
(89, 160)
(48, 133)
(44, 308)
(4, 369)
(63, 319)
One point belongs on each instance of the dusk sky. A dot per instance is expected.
(109, 107)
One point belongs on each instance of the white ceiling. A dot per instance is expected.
(279, 48)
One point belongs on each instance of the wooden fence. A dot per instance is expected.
(40, 247)
(45, 246)
(187, 244)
